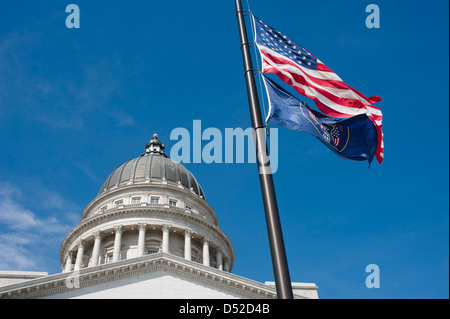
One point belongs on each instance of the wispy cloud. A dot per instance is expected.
(56, 93)
(75, 123)
(123, 119)
(28, 226)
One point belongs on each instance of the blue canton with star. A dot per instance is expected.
(278, 42)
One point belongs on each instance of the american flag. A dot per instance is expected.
(310, 77)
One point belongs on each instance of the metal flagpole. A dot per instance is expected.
(276, 242)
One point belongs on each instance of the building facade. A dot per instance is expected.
(149, 233)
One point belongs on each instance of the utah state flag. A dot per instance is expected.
(353, 138)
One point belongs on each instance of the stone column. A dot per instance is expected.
(205, 251)
(141, 239)
(96, 250)
(165, 238)
(226, 266)
(219, 259)
(80, 254)
(187, 244)
(117, 242)
(69, 260)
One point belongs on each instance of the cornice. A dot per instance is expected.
(224, 281)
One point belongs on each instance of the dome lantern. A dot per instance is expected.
(154, 145)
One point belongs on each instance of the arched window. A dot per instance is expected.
(152, 246)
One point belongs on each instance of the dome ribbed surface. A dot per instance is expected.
(151, 168)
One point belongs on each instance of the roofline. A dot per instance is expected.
(56, 284)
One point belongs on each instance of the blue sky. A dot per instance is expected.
(77, 103)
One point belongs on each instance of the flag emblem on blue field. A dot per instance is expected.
(354, 138)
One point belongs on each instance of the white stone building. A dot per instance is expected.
(149, 233)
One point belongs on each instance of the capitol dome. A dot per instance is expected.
(150, 204)
(152, 166)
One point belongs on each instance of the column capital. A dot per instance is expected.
(118, 229)
(142, 226)
(166, 228)
(98, 234)
(188, 232)
(81, 243)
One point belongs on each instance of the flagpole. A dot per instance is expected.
(276, 242)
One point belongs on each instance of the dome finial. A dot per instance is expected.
(154, 146)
